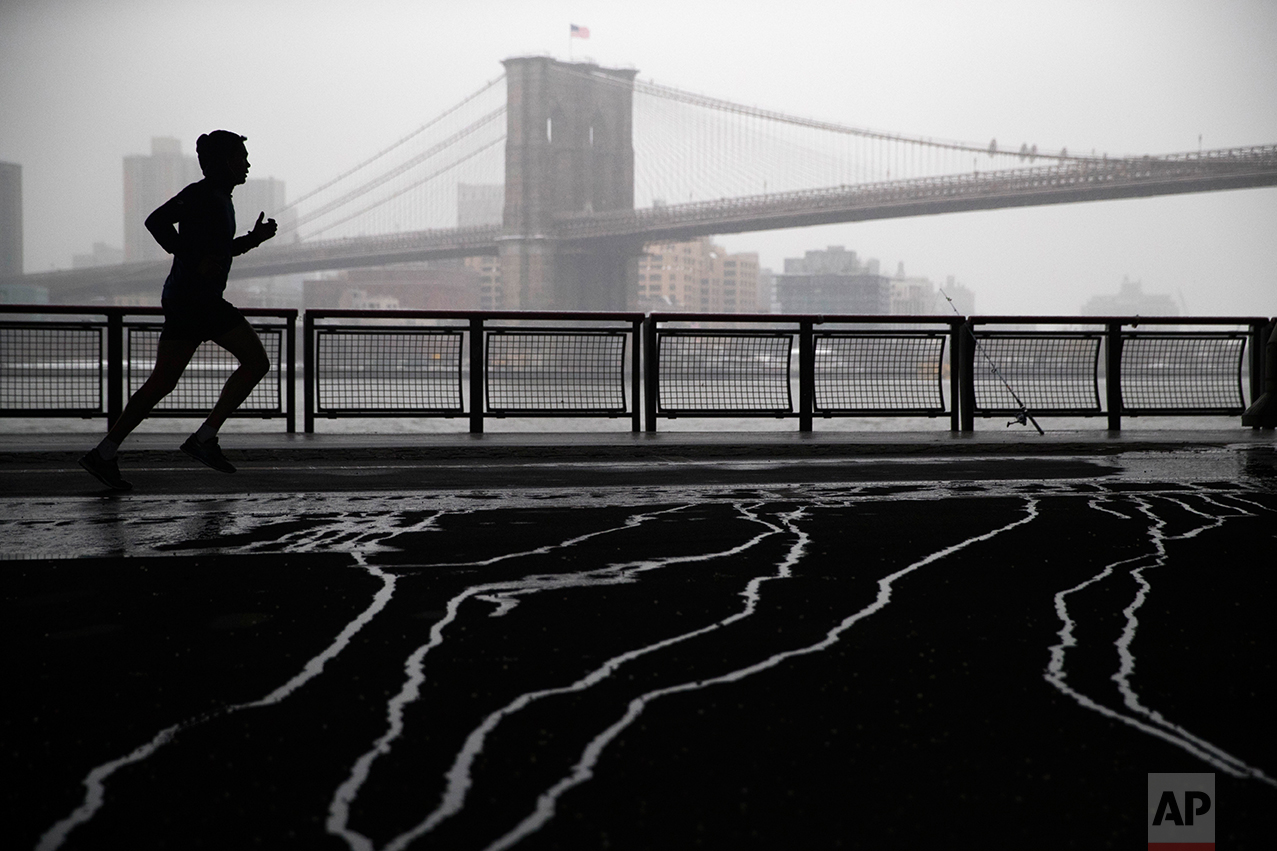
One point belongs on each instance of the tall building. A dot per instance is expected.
(262, 195)
(833, 281)
(491, 295)
(1131, 300)
(963, 299)
(101, 255)
(767, 300)
(912, 296)
(149, 181)
(697, 276)
(480, 204)
(266, 195)
(429, 285)
(10, 219)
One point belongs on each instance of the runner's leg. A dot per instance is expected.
(242, 342)
(171, 358)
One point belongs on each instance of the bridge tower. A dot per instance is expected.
(569, 149)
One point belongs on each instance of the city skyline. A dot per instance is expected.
(88, 86)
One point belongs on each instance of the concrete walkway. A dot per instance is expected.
(45, 465)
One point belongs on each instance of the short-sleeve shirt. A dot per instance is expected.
(206, 229)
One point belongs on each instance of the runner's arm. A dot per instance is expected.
(161, 224)
(262, 231)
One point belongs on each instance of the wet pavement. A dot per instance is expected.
(589, 641)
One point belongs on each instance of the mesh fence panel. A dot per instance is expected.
(724, 372)
(861, 372)
(1177, 371)
(556, 371)
(50, 367)
(416, 370)
(1054, 373)
(200, 385)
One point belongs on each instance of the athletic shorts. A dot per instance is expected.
(197, 321)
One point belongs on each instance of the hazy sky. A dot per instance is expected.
(318, 85)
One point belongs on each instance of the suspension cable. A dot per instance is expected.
(397, 144)
(671, 93)
(409, 186)
(385, 177)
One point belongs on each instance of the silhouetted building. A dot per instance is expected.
(101, 255)
(697, 276)
(963, 299)
(918, 296)
(480, 204)
(149, 181)
(436, 285)
(834, 260)
(832, 281)
(265, 195)
(767, 299)
(911, 296)
(1131, 300)
(10, 219)
(262, 195)
(491, 289)
(23, 294)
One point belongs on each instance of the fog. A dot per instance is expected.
(318, 86)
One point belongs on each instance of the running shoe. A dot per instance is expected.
(106, 472)
(208, 452)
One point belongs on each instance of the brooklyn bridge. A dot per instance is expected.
(595, 163)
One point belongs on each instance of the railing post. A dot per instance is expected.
(955, 373)
(636, 367)
(290, 373)
(651, 373)
(114, 366)
(1113, 373)
(806, 373)
(310, 372)
(1259, 333)
(966, 358)
(478, 366)
(1263, 363)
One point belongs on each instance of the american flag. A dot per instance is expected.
(579, 32)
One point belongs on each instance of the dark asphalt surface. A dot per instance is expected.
(568, 642)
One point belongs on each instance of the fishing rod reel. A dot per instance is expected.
(1025, 418)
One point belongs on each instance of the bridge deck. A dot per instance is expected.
(1069, 182)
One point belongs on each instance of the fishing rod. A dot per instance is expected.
(1023, 417)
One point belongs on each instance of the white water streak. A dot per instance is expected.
(356, 532)
(584, 769)
(501, 593)
(1126, 658)
(459, 778)
(95, 781)
(1166, 730)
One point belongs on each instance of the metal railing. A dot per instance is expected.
(1111, 366)
(741, 365)
(85, 361)
(478, 365)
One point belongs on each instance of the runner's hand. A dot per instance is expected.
(264, 229)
